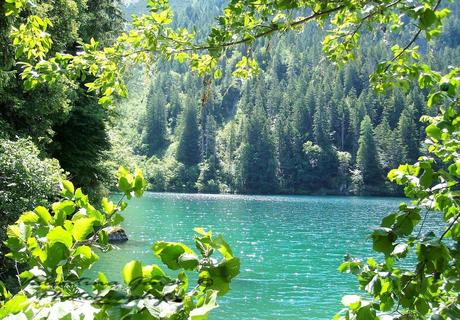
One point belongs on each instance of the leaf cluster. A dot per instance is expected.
(57, 246)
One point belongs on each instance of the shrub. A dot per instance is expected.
(26, 181)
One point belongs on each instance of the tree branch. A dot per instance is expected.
(411, 42)
(270, 31)
(450, 226)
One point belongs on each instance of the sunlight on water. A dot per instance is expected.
(289, 246)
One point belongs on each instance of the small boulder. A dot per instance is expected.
(117, 235)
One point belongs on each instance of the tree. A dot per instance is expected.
(289, 149)
(389, 146)
(367, 157)
(208, 179)
(326, 169)
(345, 166)
(188, 149)
(156, 135)
(408, 135)
(256, 155)
(79, 145)
(37, 120)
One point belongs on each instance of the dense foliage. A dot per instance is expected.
(53, 113)
(427, 232)
(56, 126)
(26, 181)
(58, 248)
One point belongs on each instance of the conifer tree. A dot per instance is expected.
(257, 165)
(188, 149)
(408, 135)
(289, 151)
(388, 146)
(367, 157)
(156, 129)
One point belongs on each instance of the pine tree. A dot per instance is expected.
(367, 157)
(357, 113)
(408, 135)
(388, 146)
(321, 125)
(188, 149)
(256, 159)
(327, 167)
(80, 144)
(155, 121)
(303, 115)
(289, 149)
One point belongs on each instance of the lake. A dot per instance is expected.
(289, 246)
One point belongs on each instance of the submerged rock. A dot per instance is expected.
(117, 235)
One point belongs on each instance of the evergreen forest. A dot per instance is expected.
(301, 126)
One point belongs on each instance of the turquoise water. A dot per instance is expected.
(289, 246)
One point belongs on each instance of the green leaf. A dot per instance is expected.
(218, 74)
(422, 306)
(132, 271)
(349, 266)
(17, 304)
(4, 293)
(153, 272)
(139, 185)
(68, 186)
(125, 180)
(124, 185)
(61, 210)
(29, 217)
(365, 313)
(434, 98)
(389, 220)
(188, 261)
(55, 255)
(116, 219)
(97, 216)
(108, 206)
(400, 250)
(59, 235)
(43, 213)
(202, 232)
(82, 228)
(427, 18)
(383, 240)
(80, 198)
(169, 253)
(102, 278)
(434, 132)
(223, 247)
(59, 275)
(103, 237)
(223, 274)
(427, 178)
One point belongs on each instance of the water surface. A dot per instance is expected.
(289, 246)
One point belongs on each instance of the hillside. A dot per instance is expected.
(301, 126)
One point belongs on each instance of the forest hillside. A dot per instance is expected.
(301, 126)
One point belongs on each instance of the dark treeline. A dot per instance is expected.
(301, 126)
